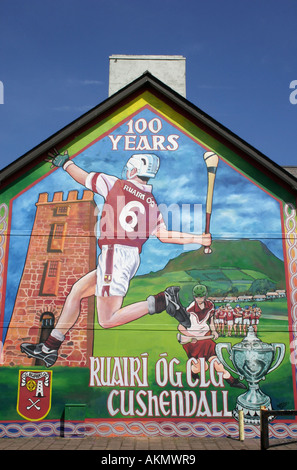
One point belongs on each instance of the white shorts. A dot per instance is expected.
(117, 265)
(238, 321)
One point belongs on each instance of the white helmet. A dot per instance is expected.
(147, 165)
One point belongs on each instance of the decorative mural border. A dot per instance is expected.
(3, 228)
(291, 239)
(291, 250)
(149, 429)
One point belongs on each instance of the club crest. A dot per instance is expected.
(34, 394)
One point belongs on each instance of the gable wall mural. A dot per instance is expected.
(148, 284)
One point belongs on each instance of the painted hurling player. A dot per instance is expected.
(197, 338)
(131, 215)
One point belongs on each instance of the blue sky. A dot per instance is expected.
(241, 57)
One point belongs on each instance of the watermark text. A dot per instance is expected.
(1, 93)
(293, 94)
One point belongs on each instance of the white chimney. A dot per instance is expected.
(170, 69)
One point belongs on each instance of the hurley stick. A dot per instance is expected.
(211, 161)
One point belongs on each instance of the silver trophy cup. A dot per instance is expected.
(253, 360)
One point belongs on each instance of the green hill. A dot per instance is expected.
(241, 254)
(231, 268)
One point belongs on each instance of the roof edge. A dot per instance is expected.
(147, 79)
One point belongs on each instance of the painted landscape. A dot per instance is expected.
(235, 268)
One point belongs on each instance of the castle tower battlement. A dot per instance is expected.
(72, 196)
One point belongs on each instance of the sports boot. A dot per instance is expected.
(39, 351)
(174, 307)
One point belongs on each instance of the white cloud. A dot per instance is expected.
(179, 188)
(83, 82)
(81, 109)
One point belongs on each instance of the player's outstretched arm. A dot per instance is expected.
(62, 160)
(181, 238)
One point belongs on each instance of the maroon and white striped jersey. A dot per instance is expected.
(130, 214)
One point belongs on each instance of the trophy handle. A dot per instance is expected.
(281, 352)
(219, 354)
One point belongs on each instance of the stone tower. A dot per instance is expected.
(62, 249)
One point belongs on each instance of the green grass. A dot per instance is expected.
(254, 274)
(237, 274)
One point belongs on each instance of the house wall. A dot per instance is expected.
(136, 375)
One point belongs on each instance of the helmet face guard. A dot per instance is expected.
(199, 291)
(147, 166)
(126, 172)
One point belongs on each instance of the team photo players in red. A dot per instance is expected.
(237, 311)
(129, 217)
(222, 313)
(246, 319)
(229, 319)
(256, 314)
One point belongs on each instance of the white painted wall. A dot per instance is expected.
(171, 70)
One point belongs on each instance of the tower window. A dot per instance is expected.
(57, 237)
(62, 210)
(51, 278)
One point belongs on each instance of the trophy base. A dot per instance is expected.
(252, 410)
